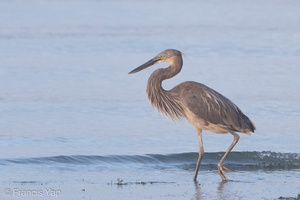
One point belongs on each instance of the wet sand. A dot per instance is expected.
(67, 99)
(156, 185)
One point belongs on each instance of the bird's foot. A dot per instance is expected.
(222, 173)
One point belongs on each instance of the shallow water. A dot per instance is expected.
(72, 119)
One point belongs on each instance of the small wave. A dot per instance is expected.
(236, 160)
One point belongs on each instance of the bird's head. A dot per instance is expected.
(165, 56)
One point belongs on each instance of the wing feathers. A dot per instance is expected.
(210, 105)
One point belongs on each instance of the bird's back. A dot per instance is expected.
(218, 113)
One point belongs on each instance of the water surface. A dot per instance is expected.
(73, 119)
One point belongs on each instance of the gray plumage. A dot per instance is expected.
(202, 106)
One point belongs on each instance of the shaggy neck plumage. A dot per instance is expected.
(161, 98)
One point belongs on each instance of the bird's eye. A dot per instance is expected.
(162, 56)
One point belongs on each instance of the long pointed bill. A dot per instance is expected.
(145, 65)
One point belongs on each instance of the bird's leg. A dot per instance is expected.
(199, 131)
(220, 164)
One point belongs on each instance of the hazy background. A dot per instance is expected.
(64, 87)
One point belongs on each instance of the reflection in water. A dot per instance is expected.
(197, 190)
(199, 195)
(221, 189)
(221, 186)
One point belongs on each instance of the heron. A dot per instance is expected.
(203, 107)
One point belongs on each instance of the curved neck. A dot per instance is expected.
(160, 98)
(159, 75)
(171, 71)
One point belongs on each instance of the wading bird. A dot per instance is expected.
(202, 106)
